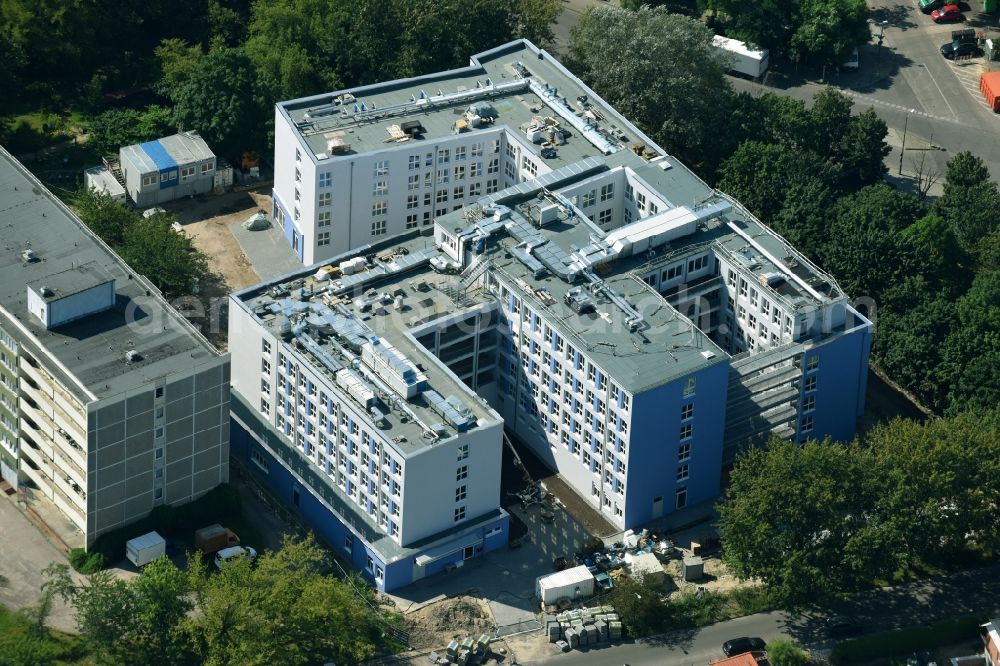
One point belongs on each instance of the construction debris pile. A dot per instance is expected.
(469, 651)
(583, 627)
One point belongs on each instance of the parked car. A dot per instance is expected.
(953, 50)
(927, 6)
(840, 626)
(226, 556)
(947, 14)
(743, 645)
(853, 61)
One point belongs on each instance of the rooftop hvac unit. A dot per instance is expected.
(131, 356)
(29, 255)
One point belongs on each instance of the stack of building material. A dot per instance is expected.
(585, 627)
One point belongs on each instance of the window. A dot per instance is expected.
(159, 453)
(684, 452)
(697, 264)
(492, 186)
(809, 403)
(463, 452)
(414, 162)
(731, 278)
(475, 169)
(681, 498)
(460, 493)
(494, 166)
(807, 423)
(205, 168)
(381, 187)
(530, 167)
(382, 168)
(459, 172)
(378, 228)
(443, 176)
(462, 473)
(689, 386)
(325, 179)
(412, 221)
(686, 431)
(653, 208)
(458, 193)
(258, 459)
(460, 152)
(443, 156)
(187, 172)
(323, 220)
(812, 362)
(265, 346)
(765, 307)
(158, 392)
(683, 471)
(607, 191)
(413, 182)
(753, 297)
(158, 494)
(380, 207)
(459, 513)
(589, 199)
(687, 411)
(412, 201)
(743, 287)
(811, 383)
(378, 573)
(265, 407)
(323, 238)
(604, 217)
(475, 189)
(149, 180)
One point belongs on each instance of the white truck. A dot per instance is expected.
(142, 550)
(740, 58)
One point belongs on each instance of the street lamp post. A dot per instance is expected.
(881, 36)
(902, 148)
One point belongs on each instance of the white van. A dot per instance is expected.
(226, 556)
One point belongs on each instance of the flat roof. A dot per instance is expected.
(168, 152)
(73, 280)
(517, 80)
(92, 348)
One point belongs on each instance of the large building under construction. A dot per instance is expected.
(496, 247)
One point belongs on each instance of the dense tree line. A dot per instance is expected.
(279, 610)
(223, 64)
(815, 520)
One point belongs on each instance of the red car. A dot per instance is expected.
(947, 14)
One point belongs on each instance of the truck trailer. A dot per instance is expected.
(142, 550)
(740, 58)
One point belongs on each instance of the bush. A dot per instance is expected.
(86, 563)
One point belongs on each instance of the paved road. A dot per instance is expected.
(879, 610)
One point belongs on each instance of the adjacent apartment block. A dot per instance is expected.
(111, 403)
(522, 254)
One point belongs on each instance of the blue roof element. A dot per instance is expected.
(159, 155)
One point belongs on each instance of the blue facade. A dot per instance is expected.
(346, 541)
(169, 173)
(841, 380)
(656, 442)
(292, 235)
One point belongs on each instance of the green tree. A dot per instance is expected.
(796, 517)
(913, 322)
(105, 216)
(656, 67)
(861, 151)
(826, 31)
(280, 611)
(971, 201)
(936, 238)
(767, 177)
(217, 101)
(177, 61)
(754, 22)
(129, 622)
(166, 257)
(972, 350)
(118, 128)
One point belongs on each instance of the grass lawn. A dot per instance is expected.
(19, 647)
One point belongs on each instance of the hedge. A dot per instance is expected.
(905, 641)
(175, 522)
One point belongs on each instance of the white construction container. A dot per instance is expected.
(575, 583)
(740, 58)
(645, 568)
(142, 550)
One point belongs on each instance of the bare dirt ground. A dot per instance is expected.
(206, 220)
(716, 579)
(457, 618)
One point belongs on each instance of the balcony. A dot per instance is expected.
(39, 461)
(40, 422)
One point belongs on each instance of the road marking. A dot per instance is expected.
(941, 92)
